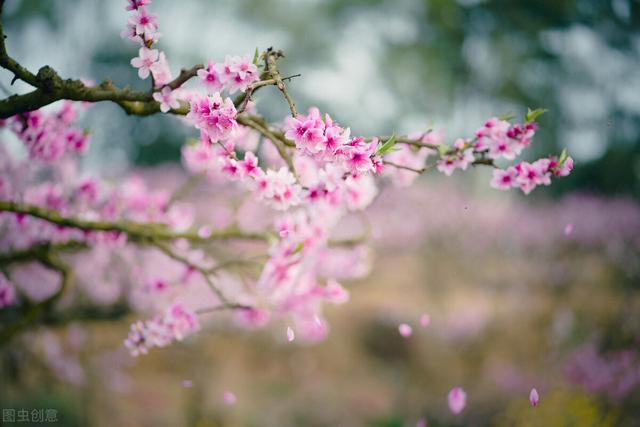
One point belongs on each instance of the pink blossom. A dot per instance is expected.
(249, 165)
(238, 73)
(504, 179)
(7, 292)
(167, 98)
(568, 229)
(176, 323)
(425, 319)
(278, 188)
(186, 383)
(335, 293)
(143, 62)
(306, 131)
(253, 317)
(161, 71)
(143, 21)
(457, 400)
(290, 334)
(229, 398)
(210, 77)
(565, 168)
(213, 115)
(199, 158)
(135, 4)
(459, 158)
(405, 330)
(357, 156)
(534, 397)
(533, 174)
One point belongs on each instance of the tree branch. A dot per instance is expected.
(137, 232)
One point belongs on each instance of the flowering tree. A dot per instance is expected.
(70, 242)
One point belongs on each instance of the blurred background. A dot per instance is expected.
(539, 292)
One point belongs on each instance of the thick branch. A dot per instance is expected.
(139, 232)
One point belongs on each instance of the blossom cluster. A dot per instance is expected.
(49, 135)
(306, 177)
(327, 141)
(527, 176)
(176, 323)
(235, 73)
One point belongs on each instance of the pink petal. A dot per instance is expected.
(534, 397)
(425, 319)
(568, 229)
(457, 400)
(290, 334)
(229, 398)
(187, 383)
(405, 330)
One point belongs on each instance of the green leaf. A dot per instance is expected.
(443, 150)
(508, 116)
(387, 146)
(563, 156)
(298, 248)
(532, 115)
(256, 56)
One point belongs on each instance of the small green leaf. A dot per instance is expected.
(298, 248)
(443, 150)
(532, 115)
(256, 56)
(387, 146)
(508, 116)
(563, 157)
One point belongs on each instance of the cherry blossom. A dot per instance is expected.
(167, 98)
(457, 400)
(144, 61)
(238, 73)
(534, 397)
(7, 292)
(405, 330)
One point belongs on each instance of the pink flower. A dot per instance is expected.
(457, 400)
(278, 188)
(238, 73)
(176, 323)
(144, 23)
(229, 398)
(357, 156)
(161, 71)
(143, 62)
(405, 330)
(290, 334)
(135, 4)
(187, 383)
(167, 99)
(533, 174)
(249, 165)
(504, 179)
(460, 158)
(534, 397)
(306, 131)
(566, 167)
(199, 158)
(7, 292)
(568, 229)
(425, 319)
(215, 116)
(335, 293)
(210, 77)
(253, 317)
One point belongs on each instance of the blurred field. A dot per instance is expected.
(507, 314)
